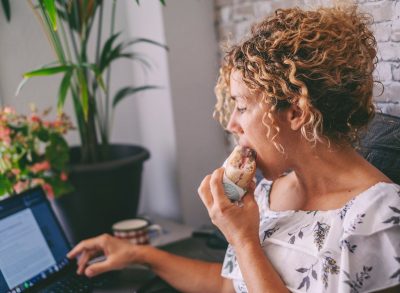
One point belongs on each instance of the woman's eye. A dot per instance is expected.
(241, 110)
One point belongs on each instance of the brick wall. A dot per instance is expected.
(234, 17)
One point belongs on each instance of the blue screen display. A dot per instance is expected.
(32, 244)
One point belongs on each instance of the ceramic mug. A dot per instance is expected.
(137, 230)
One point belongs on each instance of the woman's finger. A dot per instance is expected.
(217, 189)
(99, 268)
(205, 192)
(82, 260)
(88, 244)
(85, 256)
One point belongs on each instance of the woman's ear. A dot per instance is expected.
(295, 116)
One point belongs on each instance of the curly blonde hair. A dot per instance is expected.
(321, 60)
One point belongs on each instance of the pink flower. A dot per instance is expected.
(42, 166)
(8, 110)
(20, 186)
(49, 190)
(37, 181)
(16, 171)
(63, 176)
(5, 134)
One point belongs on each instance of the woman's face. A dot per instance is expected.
(246, 124)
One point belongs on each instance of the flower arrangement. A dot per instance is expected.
(33, 152)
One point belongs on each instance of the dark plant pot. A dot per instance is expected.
(105, 192)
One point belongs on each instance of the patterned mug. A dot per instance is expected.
(137, 230)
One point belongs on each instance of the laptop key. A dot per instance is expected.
(72, 283)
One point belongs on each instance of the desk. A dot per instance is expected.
(176, 239)
(130, 279)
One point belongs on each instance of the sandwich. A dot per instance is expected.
(240, 168)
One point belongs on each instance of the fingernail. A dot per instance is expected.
(89, 273)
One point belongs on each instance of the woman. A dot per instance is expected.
(298, 91)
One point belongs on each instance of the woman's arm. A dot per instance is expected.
(240, 225)
(186, 275)
(257, 271)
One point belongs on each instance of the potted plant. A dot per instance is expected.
(106, 177)
(33, 152)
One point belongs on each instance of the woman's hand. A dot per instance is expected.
(238, 222)
(119, 253)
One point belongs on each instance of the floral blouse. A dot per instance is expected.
(352, 249)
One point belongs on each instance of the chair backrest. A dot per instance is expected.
(380, 145)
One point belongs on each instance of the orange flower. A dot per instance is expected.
(35, 118)
(42, 166)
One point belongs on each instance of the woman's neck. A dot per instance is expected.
(326, 177)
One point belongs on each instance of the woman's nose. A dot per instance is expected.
(233, 126)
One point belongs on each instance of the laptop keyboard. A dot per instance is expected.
(72, 283)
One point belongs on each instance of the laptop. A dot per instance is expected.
(33, 248)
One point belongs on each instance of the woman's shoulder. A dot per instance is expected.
(375, 209)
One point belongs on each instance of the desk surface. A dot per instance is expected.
(130, 279)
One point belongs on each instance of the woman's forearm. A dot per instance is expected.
(184, 274)
(258, 272)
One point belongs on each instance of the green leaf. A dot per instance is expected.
(105, 52)
(57, 152)
(47, 71)
(5, 185)
(59, 187)
(50, 8)
(84, 93)
(126, 91)
(64, 86)
(163, 2)
(144, 40)
(97, 74)
(43, 135)
(20, 86)
(6, 9)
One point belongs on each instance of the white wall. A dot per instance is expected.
(178, 122)
(154, 113)
(193, 60)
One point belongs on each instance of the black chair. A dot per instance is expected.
(380, 145)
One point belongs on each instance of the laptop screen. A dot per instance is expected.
(32, 244)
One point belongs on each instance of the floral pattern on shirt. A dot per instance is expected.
(312, 250)
(395, 219)
(321, 230)
(356, 283)
(329, 266)
(298, 232)
(396, 275)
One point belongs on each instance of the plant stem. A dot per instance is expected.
(96, 95)
(66, 42)
(42, 24)
(99, 31)
(108, 78)
(54, 36)
(72, 37)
